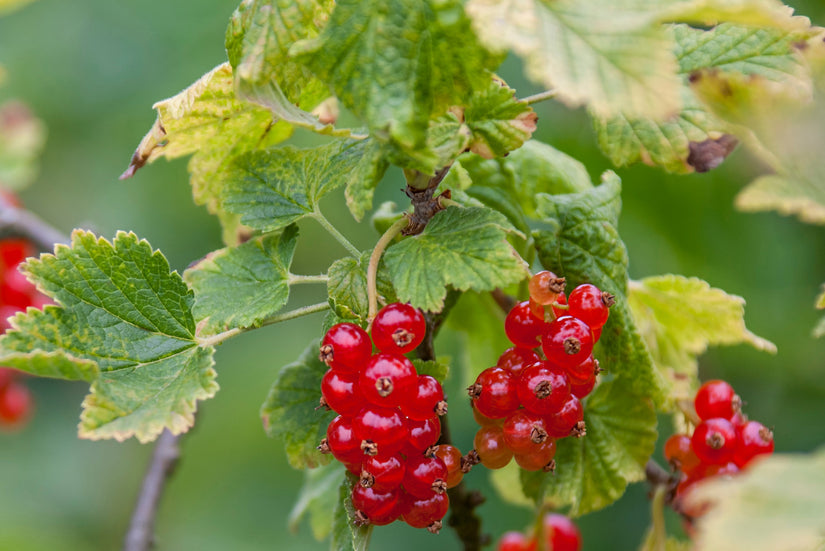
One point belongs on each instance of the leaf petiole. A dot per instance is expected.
(375, 258)
(321, 219)
(286, 316)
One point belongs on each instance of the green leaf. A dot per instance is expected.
(273, 188)
(581, 242)
(611, 56)
(680, 317)
(22, 137)
(125, 324)
(365, 175)
(498, 121)
(507, 484)
(242, 286)
(465, 248)
(753, 13)
(346, 535)
(593, 471)
(208, 122)
(7, 6)
(438, 369)
(291, 412)
(396, 63)
(778, 503)
(819, 330)
(315, 499)
(347, 286)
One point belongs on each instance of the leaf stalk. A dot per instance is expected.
(375, 258)
(333, 231)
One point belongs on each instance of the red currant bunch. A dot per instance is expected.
(722, 444)
(16, 294)
(388, 421)
(559, 534)
(532, 396)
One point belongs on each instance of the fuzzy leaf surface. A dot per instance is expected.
(241, 286)
(778, 503)
(593, 471)
(581, 242)
(680, 317)
(461, 248)
(124, 323)
(346, 535)
(314, 499)
(290, 413)
(611, 56)
(209, 122)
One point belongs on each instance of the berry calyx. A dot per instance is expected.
(543, 388)
(380, 430)
(398, 328)
(755, 439)
(590, 305)
(567, 341)
(386, 379)
(524, 431)
(544, 287)
(425, 474)
(714, 441)
(425, 400)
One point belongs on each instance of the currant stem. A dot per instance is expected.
(541, 96)
(286, 316)
(375, 258)
(295, 279)
(657, 512)
(687, 409)
(446, 202)
(321, 219)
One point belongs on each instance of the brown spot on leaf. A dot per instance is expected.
(709, 154)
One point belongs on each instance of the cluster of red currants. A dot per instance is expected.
(560, 534)
(388, 421)
(723, 443)
(525, 403)
(16, 294)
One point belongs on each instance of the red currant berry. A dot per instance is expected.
(515, 541)
(341, 441)
(755, 439)
(716, 399)
(494, 393)
(537, 310)
(15, 404)
(580, 391)
(346, 347)
(398, 328)
(515, 359)
(482, 420)
(567, 341)
(590, 305)
(490, 446)
(561, 534)
(424, 475)
(540, 458)
(380, 430)
(340, 392)
(544, 287)
(583, 372)
(679, 452)
(569, 421)
(425, 400)
(374, 503)
(524, 431)
(543, 388)
(451, 457)
(522, 328)
(714, 441)
(382, 472)
(386, 379)
(423, 434)
(14, 251)
(426, 512)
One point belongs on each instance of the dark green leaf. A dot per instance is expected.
(347, 286)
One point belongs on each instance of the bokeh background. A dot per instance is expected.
(91, 71)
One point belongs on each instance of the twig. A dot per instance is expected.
(26, 224)
(141, 534)
(541, 96)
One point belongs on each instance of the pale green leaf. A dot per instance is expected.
(273, 188)
(438, 369)
(22, 137)
(680, 317)
(507, 483)
(580, 241)
(787, 195)
(778, 503)
(316, 501)
(593, 471)
(754, 13)
(611, 56)
(208, 122)
(464, 248)
(819, 330)
(121, 314)
(346, 535)
(242, 286)
(498, 122)
(347, 286)
(291, 410)
(365, 176)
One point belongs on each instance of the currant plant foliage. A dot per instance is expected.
(411, 84)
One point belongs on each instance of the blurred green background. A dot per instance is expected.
(91, 70)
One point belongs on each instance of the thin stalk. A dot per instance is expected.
(295, 279)
(445, 202)
(333, 231)
(541, 96)
(286, 316)
(375, 258)
(657, 513)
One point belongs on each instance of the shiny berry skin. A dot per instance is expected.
(15, 404)
(490, 446)
(590, 305)
(561, 534)
(567, 341)
(543, 388)
(374, 503)
(451, 457)
(346, 347)
(424, 475)
(423, 512)
(716, 399)
(387, 379)
(544, 287)
(424, 400)
(537, 310)
(580, 391)
(566, 421)
(754, 439)
(494, 393)
(341, 393)
(423, 434)
(515, 541)
(524, 431)
(522, 327)
(342, 442)
(714, 441)
(539, 458)
(380, 430)
(582, 373)
(382, 472)
(515, 359)
(482, 420)
(398, 328)
(679, 452)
